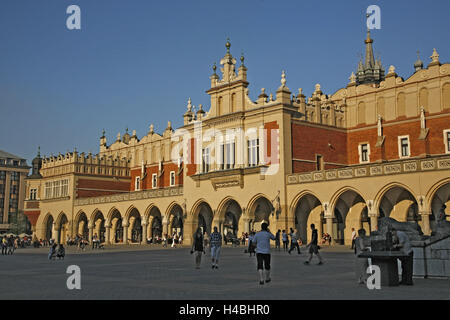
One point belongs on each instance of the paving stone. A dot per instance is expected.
(153, 273)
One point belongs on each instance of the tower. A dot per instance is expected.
(370, 71)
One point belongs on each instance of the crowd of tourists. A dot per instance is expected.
(10, 243)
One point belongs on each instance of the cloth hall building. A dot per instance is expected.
(379, 146)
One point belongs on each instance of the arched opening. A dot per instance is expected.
(176, 220)
(49, 228)
(63, 227)
(135, 226)
(309, 211)
(229, 218)
(399, 204)
(205, 217)
(116, 227)
(350, 213)
(99, 226)
(82, 229)
(260, 211)
(154, 224)
(439, 199)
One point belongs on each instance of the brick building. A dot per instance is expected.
(380, 146)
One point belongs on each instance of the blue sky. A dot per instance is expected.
(136, 62)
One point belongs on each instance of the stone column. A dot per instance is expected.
(165, 226)
(57, 235)
(144, 233)
(373, 215)
(108, 234)
(125, 233)
(330, 229)
(91, 232)
(425, 222)
(329, 217)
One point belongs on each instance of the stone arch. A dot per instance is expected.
(398, 202)
(48, 227)
(175, 218)
(350, 212)
(133, 222)
(259, 209)
(202, 215)
(438, 196)
(98, 222)
(81, 225)
(229, 213)
(61, 226)
(115, 221)
(307, 210)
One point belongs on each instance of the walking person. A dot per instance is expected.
(4, 246)
(197, 247)
(285, 239)
(215, 244)
(294, 242)
(262, 240)
(251, 248)
(278, 240)
(61, 252)
(10, 245)
(52, 251)
(404, 245)
(353, 238)
(361, 264)
(313, 246)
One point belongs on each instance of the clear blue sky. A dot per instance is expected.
(136, 62)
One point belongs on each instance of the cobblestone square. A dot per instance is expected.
(134, 273)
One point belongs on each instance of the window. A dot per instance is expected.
(206, 158)
(65, 188)
(172, 178)
(253, 152)
(319, 162)
(56, 189)
(364, 152)
(154, 181)
(403, 147)
(229, 155)
(447, 140)
(137, 183)
(48, 190)
(33, 193)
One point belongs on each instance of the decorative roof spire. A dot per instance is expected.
(39, 152)
(228, 45)
(283, 79)
(242, 59)
(418, 65)
(434, 58)
(103, 133)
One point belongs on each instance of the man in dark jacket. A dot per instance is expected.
(313, 246)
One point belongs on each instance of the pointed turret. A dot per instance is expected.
(371, 71)
(418, 65)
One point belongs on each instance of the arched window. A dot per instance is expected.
(423, 98)
(401, 105)
(380, 108)
(361, 113)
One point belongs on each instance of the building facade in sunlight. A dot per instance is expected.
(379, 146)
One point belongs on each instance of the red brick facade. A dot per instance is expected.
(94, 187)
(342, 147)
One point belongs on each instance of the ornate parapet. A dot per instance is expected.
(138, 195)
(351, 172)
